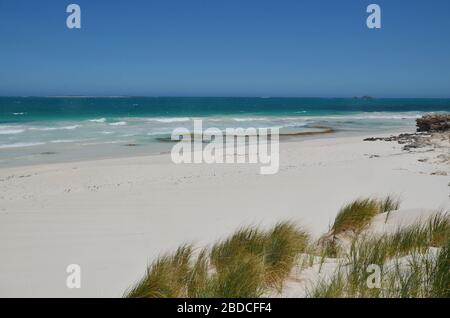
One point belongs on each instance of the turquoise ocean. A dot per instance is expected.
(41, 130)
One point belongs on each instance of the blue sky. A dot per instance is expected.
(225, 48)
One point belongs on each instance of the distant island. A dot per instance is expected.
(365, 97)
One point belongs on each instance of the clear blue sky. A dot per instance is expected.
(225, 48)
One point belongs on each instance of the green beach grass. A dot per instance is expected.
(414, 260)
(245, 265)
(358, 214)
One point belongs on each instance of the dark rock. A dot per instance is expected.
(409, 141)
(433, 123)
(401, 139)
(373, 139)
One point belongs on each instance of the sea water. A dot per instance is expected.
(40, 129)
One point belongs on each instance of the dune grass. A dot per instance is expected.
(246, 264)
(414, 260)
(168, 276)
(328, 288)
(389, 203)
(330, 247)
(276, 248)
(413, 241)
(243, 279)
(424, 275)
(362, 254)
(433, 232)
(440, 276)
(416, 276)
(438, 229)
(355, 215)
(404, 258)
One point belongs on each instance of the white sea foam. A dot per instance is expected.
(98, 120)
(60, 141)
(296, 124)
(156, 133)
(18, 114)
(11, 131)
(170, 120)
(119, 123)
(21, 145)
(239, 119)
(55, 128)
(102, 143)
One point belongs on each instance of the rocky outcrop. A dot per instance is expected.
(401, 139)
(433, 123)
(410, 141)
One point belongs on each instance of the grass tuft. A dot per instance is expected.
(282, 245)
(277, 248)
(247, 264)
(332, 287)
(409, 268)
(440, 276)
(389, 204)
(243, 279)
(355, 215)
(433, 232)
(439, 229)
(166, 277)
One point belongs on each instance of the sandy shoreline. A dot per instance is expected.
(114, 216)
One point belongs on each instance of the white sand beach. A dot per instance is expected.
(113, 217)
